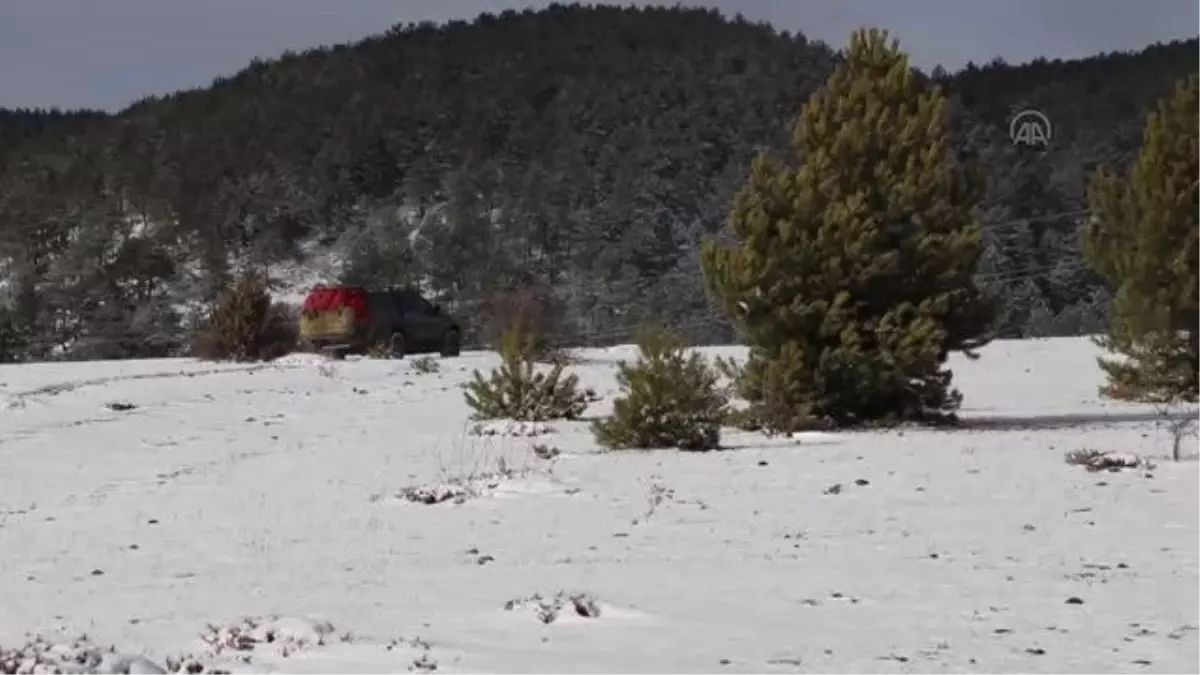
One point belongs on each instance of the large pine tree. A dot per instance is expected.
(1143, 238)
(852, 274)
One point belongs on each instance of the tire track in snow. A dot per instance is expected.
(72, 385)
(16, 400)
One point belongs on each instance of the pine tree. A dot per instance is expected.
(852, 274)
(671, 399)
(1143, 239)
(516, 391)
(246, 326)
(10, 336)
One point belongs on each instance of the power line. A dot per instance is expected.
(1002, 225)
(714, 319)
(641, 282)
(1047, 217)
(1072, 263)
(1034, 272)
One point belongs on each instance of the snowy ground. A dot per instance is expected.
(142, 501)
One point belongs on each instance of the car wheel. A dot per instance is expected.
(451, 344)
(396, 346)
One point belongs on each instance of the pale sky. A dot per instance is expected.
(108, 53)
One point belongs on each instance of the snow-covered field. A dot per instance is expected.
(142, 501)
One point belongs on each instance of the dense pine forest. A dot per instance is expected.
(575, 154)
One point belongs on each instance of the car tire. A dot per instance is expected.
(396, 346)
(451, 344)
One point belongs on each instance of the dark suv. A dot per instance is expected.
(351, 319)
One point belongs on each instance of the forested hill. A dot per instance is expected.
(581, 150)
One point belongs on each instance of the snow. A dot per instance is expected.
(292, 280)
(252, 518)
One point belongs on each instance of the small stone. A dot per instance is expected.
(835, 489)
(861, 482)
(762, 462)
(1036, 651)
(724, 662)
(934, 556)
(97, 573)
(1073, 600)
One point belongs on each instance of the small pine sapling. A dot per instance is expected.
(246, 326)
(515, 390)
(671, 399)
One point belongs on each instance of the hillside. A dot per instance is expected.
(144, 500)
(579, 150)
